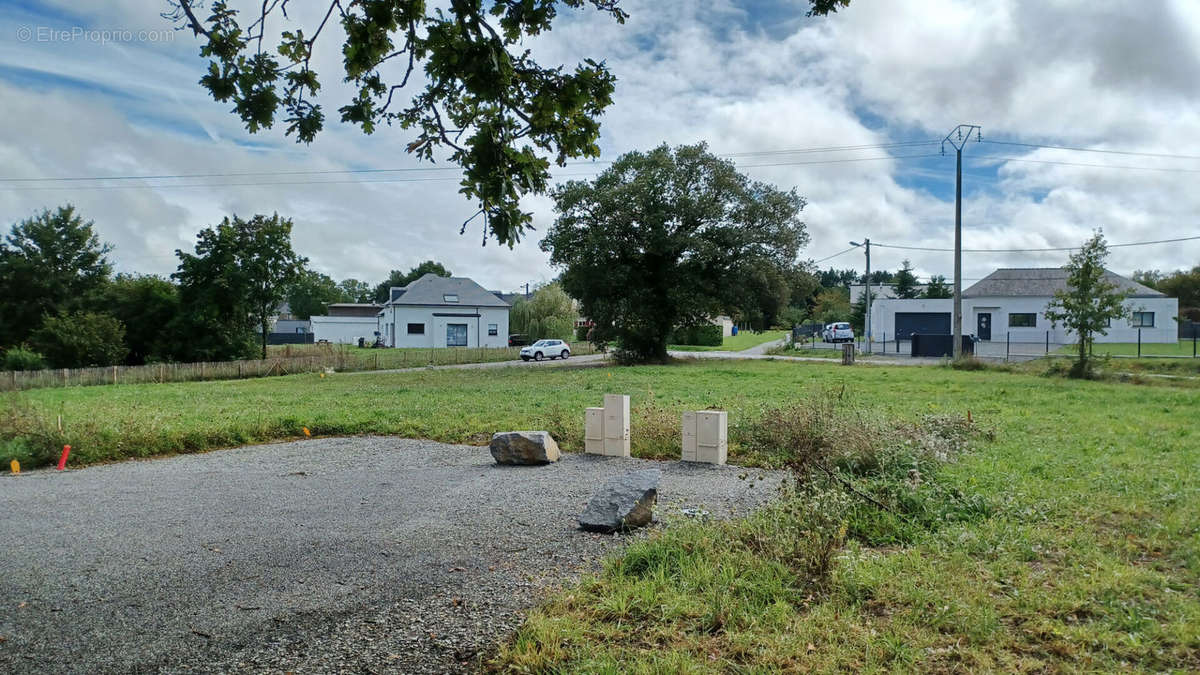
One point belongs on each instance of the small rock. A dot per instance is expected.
(625, 502)
(524, 447)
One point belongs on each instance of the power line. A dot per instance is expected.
(1031, 250)
(352, 171)
(841, 148)
(818, 262)
(1097, 150)
(244, 174)
(1098, 166)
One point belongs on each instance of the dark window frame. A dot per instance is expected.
(416, 332)
(1014, 323)
(1138, 320)
(493, 329)
(466, 335)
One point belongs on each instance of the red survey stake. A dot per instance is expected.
(62, 461)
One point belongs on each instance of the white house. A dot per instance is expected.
(346, 322)
(438, 311)
(1011, 303)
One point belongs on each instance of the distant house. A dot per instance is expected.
(436, 311)
(1011, 302)
(287, 329)
(346, 322)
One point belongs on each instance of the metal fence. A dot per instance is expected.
(291, 360)
(1023, 349)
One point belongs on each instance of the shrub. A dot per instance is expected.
(581, 333)
(22, 358)
(705, 335)
(889, 470)
(80, 339)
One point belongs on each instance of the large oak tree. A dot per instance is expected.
(670, 238)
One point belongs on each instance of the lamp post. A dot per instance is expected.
(867, 316)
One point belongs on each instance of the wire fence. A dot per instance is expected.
(288, 360)
(1022, 348)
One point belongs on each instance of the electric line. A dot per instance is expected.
(1097, 150)
(243, 174)
(351, 171)
(876, 146)
(1098, 166)
(1031, 250)
(818, 262)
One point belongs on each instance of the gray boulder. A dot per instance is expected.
(625, 502)
(524, 447)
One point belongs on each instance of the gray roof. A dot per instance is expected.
(431, 289)
(1043, 282)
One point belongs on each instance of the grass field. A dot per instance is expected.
(1181, 348)
(1064, 536)
(736, 343)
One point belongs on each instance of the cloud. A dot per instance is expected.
(743, 77)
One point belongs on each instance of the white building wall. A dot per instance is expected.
(344, 329)
(396, 319)
(1165, 330)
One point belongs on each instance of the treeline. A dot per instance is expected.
(1181, 284)
(61, 305)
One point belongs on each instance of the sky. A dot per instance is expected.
(90, 90)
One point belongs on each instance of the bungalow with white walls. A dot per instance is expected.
(346, 322)
(1011, 303)
(438, 311)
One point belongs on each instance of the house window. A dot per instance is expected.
(300, 330)
(493, 329)
(450, 297)
(416, 329)
(456, 335)
(1022, 320)
(1143, 320)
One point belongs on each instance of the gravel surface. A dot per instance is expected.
(361, 554)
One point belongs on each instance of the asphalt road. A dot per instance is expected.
(329, 555)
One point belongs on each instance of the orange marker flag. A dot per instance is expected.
(15, 466)
(307, 433)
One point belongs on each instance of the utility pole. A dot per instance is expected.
(957, 139)
(867, 315)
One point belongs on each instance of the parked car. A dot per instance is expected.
(543, 349)
(518, 340)
(838, 332)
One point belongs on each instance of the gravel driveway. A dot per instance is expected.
(364, 554)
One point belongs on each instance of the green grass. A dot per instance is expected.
(1181, 348)
(1086, 557)
(1068, 542)
(743, 340)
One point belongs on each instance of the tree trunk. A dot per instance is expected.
(1081, 366)
(265, 329)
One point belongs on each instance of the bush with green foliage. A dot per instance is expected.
(81, 339)
(22, 358)
(704, 335)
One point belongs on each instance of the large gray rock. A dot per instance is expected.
(625, 502)
(524, 447)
